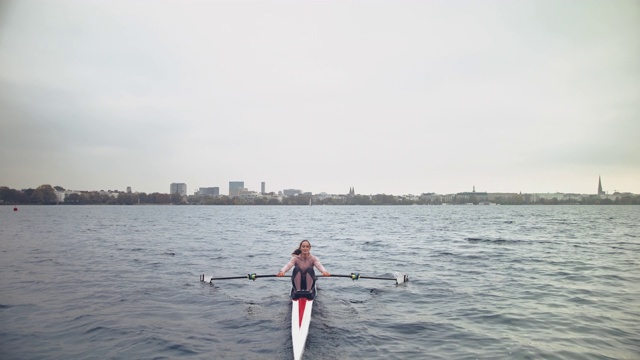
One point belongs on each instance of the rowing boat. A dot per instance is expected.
(302, 304)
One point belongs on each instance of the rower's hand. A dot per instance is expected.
(326, 274)
(280, 274)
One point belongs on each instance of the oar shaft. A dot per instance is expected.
(265, 276)
(399, 279)
(358, 276)
(376, 278)
(248, 276)
(230, 278)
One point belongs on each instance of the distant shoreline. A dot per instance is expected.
(297, 205)
(49, 195)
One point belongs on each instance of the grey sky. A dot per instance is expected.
(391, 97)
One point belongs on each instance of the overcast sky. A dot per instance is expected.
(395, 97)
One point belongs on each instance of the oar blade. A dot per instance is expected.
(401, 278)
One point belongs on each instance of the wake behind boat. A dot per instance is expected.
(302, 303)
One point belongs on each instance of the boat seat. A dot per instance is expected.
(310, 295)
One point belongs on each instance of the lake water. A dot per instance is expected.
(486, 282)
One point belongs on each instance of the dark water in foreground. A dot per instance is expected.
(487, 282)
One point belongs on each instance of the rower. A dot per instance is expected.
(302, 259)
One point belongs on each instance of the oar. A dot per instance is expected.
(399, 278)
(252, 276)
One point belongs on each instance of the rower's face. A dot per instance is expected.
(305, 247)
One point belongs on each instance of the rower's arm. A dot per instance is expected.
(288, 266)
(319, 266)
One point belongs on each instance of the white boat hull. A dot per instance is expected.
(300, 320)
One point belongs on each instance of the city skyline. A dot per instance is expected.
(235, 187)
(389, 97)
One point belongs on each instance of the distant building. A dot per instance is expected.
(235, 187)
(61, 195)
(472, 197)
(503, 197)
(178, 188)
(128, 189)
(537, 197)
(600, 191)
(431, 198)
(209, 191)
(291, 192)
(262, 188)
(247, 195)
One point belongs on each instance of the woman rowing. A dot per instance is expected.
(303, 275)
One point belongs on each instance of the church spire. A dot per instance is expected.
(600, 192)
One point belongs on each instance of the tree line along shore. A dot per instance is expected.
(49, 195)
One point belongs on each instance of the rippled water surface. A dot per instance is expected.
(487, 282)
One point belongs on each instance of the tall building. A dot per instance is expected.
(235, 187)
(600, 191)
(178, 188)
(262, 188)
